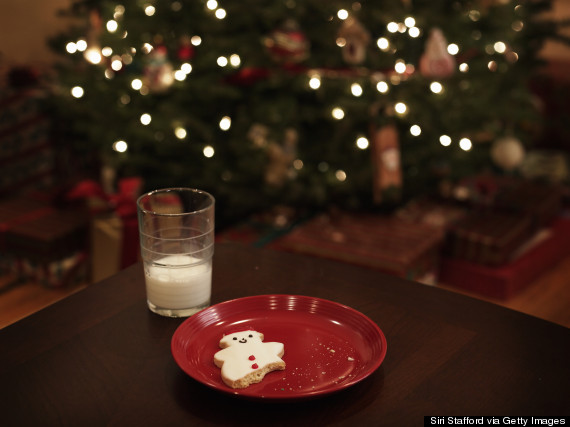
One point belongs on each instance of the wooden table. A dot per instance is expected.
(100, 357)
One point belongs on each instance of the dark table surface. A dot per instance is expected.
(100, 357)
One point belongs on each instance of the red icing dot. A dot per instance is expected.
(252, 357)
(254, 366)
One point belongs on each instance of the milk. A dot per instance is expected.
(179, 282)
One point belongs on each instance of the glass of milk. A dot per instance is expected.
(176, 229)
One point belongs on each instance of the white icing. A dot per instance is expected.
(234, 359)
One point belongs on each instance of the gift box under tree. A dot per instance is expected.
(27, 153)
(389, 244)
(42, 242)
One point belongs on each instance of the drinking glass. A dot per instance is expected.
(176, 228)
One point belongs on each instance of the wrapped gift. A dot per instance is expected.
(431, 212)
(505, 281)
(542, 203)
(27, 154)
(114, 226)
(488, 238)
(42, 242)
(114, 245)
(389, 244)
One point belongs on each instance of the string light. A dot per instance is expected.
(500, 47)
(517, 26)
(315, 82)
(93, 55)
(225, 123)
(196, 40)
(126, 58)
(116, 63)
(400, 66)
(474, 15)
(362, 142)
(410, 22)
(119, 11)
(71, 47)
(106, 51)
(464, 67)
(445, 140)
(136, 84)
(220, 13)
(340, 175)
(414, 32)
(356, 89)
(337, 113)
(147, 48)
(180, 75)
(382, 86)
(149, 10)
(415, 130)
(342, 14)
(146, 119)
(298, 164)
(208, 151)
(235, 60)
(340, 42)
(392, 27)
(120, 146)
(383, 44)
(212, 4)
(77, 92)
(81, 45)
(436, 87)
(465, 144)
(400, 108)
(222, 61)
(453, 49)
(180, 132)
(112, 26)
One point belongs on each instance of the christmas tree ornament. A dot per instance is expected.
(93, 52)
(186, 49)
(258, 135)
(280, 157)
(386, 161)
(354, 40)
(158, 71)
(508, 153)
(288, 44)
(436, 62)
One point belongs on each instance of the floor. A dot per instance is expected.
(548, 297)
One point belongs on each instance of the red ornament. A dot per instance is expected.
(288, 44)
(185, 51)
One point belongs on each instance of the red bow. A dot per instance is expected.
(123, 203)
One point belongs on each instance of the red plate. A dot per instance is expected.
(328, 346)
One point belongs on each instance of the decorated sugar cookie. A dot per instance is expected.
(245, 358)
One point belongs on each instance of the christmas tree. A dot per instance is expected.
(304, 102)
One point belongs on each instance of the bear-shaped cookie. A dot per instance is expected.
(245, 358)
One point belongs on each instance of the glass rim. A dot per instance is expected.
(210, 198)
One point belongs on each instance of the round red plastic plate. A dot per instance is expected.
(328, 346)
